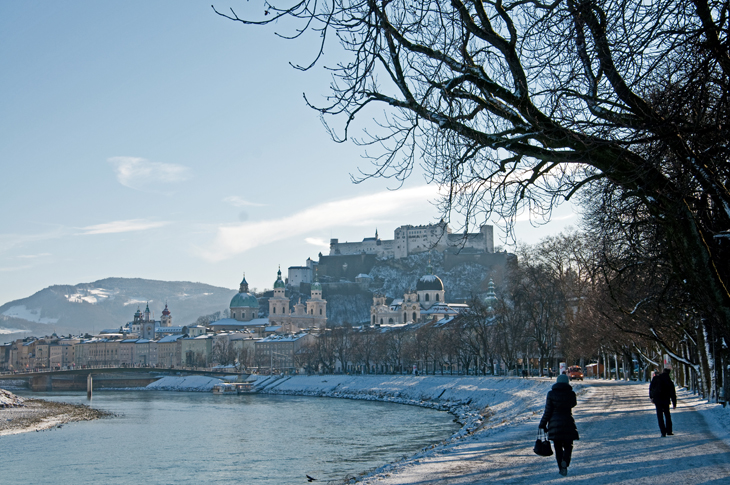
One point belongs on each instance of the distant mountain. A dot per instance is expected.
(108, 303)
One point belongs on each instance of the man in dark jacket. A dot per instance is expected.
(661, 392)
(558, 421)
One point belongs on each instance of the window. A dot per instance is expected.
(414, 316)
(274, 309)
(320, 311)
(426, 296)
(437, 297)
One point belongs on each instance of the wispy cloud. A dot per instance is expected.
(33, 256)
(141, 174)
(238, 238)
(122, 226)
(236, 201)
(317, 241)
(16, 268)
(10, 241)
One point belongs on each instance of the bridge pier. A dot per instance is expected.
(89, 386)
(41, 383)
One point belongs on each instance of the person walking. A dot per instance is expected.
(661, 392)
(558, 422)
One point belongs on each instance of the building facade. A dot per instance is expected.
(425, 304)
(410, 239)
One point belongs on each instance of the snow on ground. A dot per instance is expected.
(8, 399)
(20, 311)
(620, 440)
(93, 295)
(187, 383)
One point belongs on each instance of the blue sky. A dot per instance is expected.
(159, 140)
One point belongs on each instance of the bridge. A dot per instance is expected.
(80, 378)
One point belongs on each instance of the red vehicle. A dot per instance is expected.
(575, 372)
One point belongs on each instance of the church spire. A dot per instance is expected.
(243, 288)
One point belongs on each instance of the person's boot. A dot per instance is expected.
(563, 468)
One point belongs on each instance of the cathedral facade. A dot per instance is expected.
(311, 314)
(426, 303)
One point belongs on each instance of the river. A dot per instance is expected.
(179, 437)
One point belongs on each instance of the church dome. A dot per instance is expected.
(430, 282)
(244, 300)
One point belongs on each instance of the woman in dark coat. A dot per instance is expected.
(558, 421)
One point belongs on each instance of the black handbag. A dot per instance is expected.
(542, 445)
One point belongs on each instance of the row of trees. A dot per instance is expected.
(560, 301)
(514, 107)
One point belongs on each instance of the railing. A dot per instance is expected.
(207, 370)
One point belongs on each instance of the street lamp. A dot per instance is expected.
(271, 359)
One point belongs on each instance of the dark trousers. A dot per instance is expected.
(664, 418)
(563, 451)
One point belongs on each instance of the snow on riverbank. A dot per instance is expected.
(187, 383)
(479, 403)
(499, 417)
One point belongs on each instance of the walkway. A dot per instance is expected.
(620, 444)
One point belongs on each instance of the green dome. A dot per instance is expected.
(245, 300)
(317, 286)
(279, 283)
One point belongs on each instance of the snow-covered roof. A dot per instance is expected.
(440, 308)
(232, 322)
(169, 338)
(284, 338)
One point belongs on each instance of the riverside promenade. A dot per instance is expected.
(620, 440)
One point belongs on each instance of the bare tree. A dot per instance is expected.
(342, 344)
(514, 106)
(224, 353)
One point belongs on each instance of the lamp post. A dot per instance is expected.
(271, 359)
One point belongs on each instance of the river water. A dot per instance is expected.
(178, 437)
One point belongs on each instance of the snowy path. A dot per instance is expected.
(620, 444)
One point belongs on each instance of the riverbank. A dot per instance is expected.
(21, 415)
(499, 419)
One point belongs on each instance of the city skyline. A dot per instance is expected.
(165, 142)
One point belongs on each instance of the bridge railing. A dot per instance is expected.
(117, 367)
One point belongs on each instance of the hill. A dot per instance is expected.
(464, 276)
(107, 303)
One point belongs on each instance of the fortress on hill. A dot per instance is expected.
(418, 239)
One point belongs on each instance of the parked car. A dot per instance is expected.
(575, 372)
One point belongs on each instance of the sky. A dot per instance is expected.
(159, 140)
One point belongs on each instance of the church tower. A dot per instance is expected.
(316, 306)
(411, 309)
(148, 325)
(166, 318)
(279, 303)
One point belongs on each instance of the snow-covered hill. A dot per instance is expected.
(109, 303)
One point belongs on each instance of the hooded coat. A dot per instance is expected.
(661, 389)
(558, 418)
